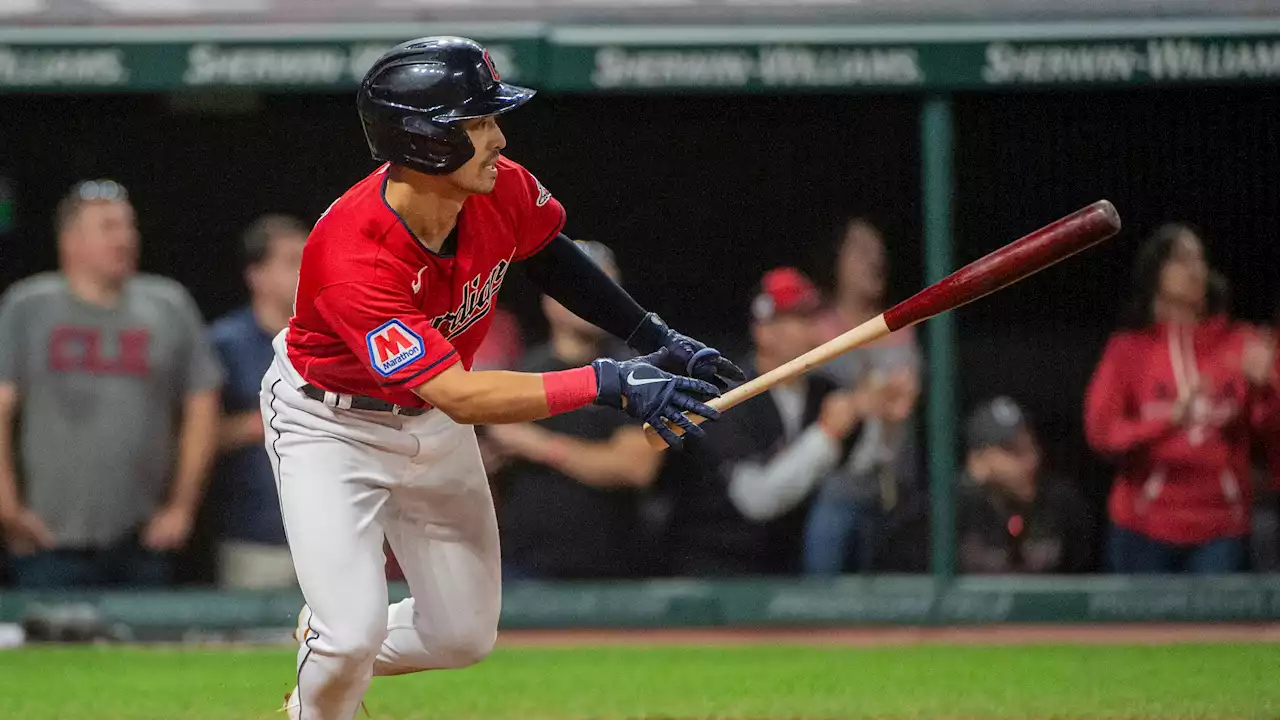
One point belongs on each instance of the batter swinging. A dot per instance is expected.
(369, 403)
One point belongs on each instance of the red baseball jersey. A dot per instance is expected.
(378, 314)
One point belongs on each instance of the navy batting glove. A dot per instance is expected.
(643, 391)
(684, 354)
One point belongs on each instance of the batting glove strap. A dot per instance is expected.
(608, 383)
(684, 355)
(650, 335)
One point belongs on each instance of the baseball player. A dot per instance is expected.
(369, 403)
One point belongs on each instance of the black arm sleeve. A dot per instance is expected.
(565, 273)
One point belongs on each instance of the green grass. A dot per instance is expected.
(740, 682)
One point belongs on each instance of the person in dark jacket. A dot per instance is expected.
(741, 511)
(1011, 517)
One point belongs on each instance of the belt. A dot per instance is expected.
(359, 402)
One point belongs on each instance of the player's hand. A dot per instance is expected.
(642, 390)
(168, 529)
(25, 533)
(684, 354)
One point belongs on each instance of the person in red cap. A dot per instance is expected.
(742, 512)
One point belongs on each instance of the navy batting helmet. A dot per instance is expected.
(412, 96)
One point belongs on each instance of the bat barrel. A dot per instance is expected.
(1025, 256)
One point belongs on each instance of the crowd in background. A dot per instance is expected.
(128, 424)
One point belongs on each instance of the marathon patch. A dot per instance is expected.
(392, 346)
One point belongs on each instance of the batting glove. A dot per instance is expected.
(685, 355)
(645, 392)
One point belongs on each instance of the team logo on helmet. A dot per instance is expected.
(493, 70)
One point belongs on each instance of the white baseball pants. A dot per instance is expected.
(346, 479)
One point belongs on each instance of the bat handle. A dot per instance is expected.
(867, 332)
(722, 403)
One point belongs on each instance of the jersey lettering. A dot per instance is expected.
(392, 346)
(477, 301)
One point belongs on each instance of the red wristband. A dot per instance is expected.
(569, 389)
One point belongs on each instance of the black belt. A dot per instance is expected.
(361, 402)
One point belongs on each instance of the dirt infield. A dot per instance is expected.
(1119, 634)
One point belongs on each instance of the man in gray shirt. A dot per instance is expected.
(102, 369)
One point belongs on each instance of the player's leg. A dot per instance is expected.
(442, 527)
(331, 500)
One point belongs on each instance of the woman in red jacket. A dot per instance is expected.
(1175, 402)
(1270, 435)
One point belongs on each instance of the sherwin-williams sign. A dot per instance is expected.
(730, 59)
(966, 65)
(302, 66)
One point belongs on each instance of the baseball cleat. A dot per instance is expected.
(291, 704)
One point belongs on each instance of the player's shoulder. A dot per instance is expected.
(352, 227)
(35, 288)
(354, 208)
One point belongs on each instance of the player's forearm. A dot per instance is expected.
(565, 273)
(197, 445)
(495, 397)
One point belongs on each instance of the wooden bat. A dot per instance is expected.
(1025, 256)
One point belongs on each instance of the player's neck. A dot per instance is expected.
(428, 204)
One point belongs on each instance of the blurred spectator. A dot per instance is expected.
(1266, 525)
(252, 551)
(569, 486)
(1269, 436)
(97, 367)
(1010, 516)
(1172, 403)
(502, 347)
(744, 512)
(856, 501)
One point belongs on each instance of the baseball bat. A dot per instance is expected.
(1025, 256)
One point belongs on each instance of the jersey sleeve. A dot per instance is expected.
(539, 216)
(392, 339)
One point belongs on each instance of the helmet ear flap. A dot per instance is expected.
(444, 147)
(419, 144)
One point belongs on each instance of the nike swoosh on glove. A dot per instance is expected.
(645, 392)
(685, 355)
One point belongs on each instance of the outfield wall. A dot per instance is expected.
(902, 601)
